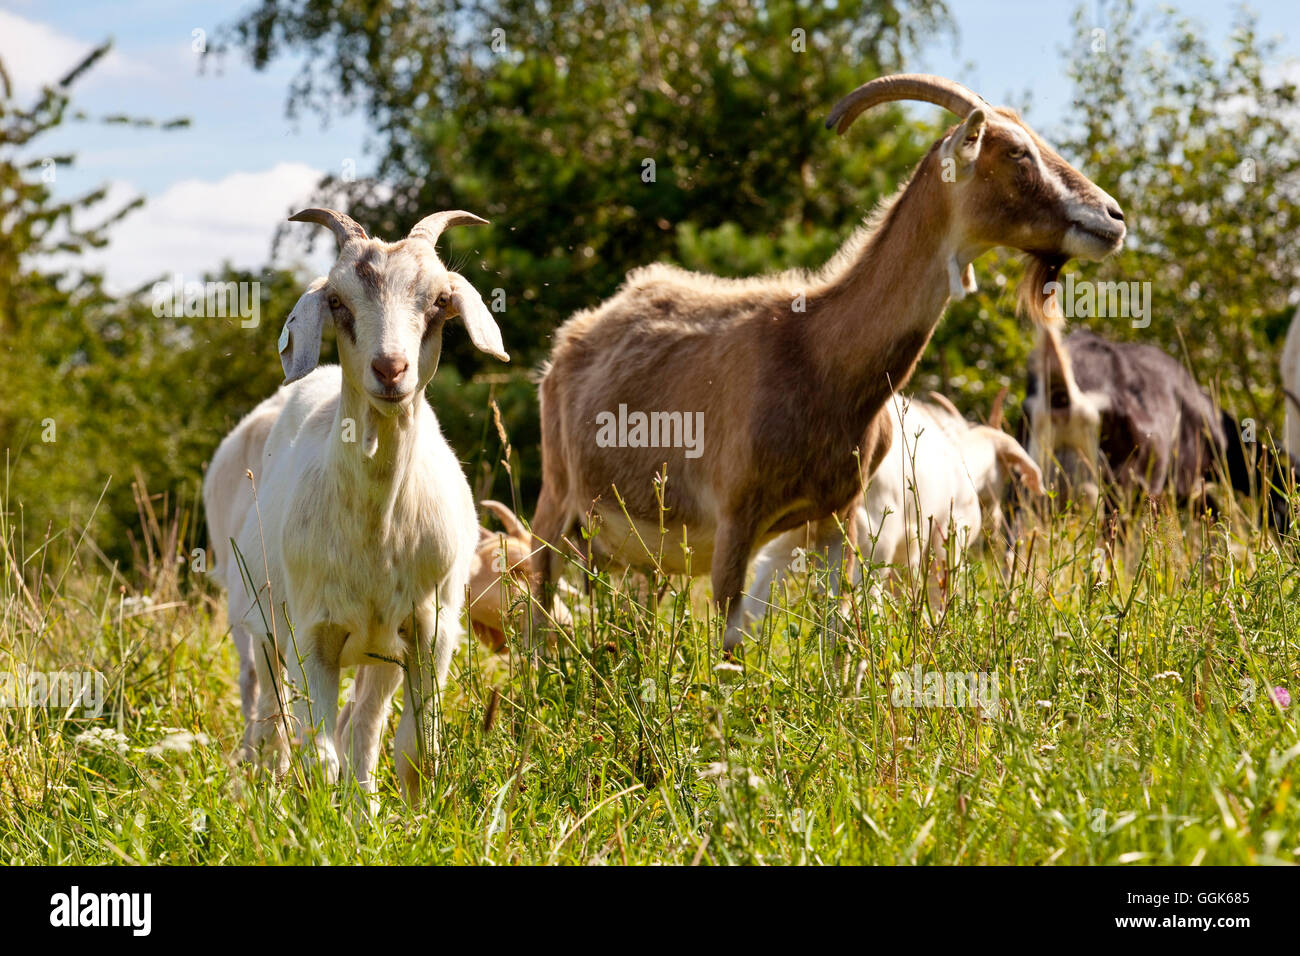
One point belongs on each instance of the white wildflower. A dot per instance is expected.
(177, 741)
(103, 739)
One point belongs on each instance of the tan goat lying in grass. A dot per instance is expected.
(501, 579)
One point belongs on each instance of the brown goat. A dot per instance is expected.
(788, 374)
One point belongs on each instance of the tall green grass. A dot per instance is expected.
(1136, 720)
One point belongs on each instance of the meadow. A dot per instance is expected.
(1134, 674)
(1141, 715)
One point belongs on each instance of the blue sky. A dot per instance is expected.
(218, 190)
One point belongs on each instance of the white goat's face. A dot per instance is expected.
(388, 303)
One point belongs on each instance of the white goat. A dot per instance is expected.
(935, 490)
(359, 542)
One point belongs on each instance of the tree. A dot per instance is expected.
(602, 136)
(95, 389)
(1202, 153)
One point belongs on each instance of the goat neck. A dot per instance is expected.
(375, 447)
(881, 299)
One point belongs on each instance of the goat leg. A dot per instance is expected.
(733, 544)
(314, 669)
(549, 525)
(362, 722)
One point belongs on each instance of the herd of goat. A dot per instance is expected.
(345, 532)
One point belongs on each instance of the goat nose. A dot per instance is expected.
(389, 369)
(1115, 211)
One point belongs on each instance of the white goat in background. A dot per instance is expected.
(935, 490)
(359, 541)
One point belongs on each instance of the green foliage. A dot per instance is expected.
(546, 126)
(1202, 153)
(117, 401)
(97, 393)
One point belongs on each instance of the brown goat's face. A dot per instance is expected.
(389, 303)
(1016, 191)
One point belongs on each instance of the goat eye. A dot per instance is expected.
(442, 300)
(1019, 153)
(335, 302)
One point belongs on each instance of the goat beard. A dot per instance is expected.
(1042, 305)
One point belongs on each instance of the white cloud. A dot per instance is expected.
(36, 54)
(195, 225)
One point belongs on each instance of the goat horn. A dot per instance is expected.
(995, 413)
(953, 97)
(431, 227)
(344, 227)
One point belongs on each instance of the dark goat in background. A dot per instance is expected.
(1132, 417)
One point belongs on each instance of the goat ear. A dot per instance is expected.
(483, 331)
(300, 338)
(995, 413)
(963, 146)
(1015, 459)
